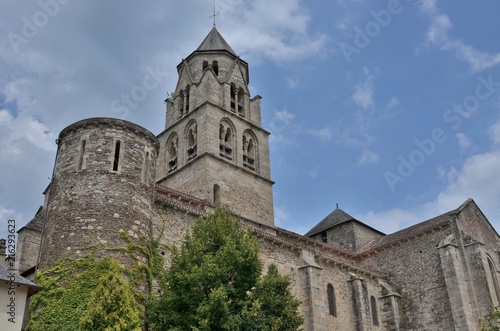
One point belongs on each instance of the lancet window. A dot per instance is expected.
(249, 151)
(237, 97)
(226, 141)
(172, 153)
(191, 141)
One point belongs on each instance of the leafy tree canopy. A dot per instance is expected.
(214, 283)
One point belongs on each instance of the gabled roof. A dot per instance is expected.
(337, 217)
(215, 42)
(5, 275)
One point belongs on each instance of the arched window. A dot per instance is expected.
(226, 141)
(215, 66)
(241, 102)
(496, 290)
(373, 304)
(332, 309)
(233, 98)
(249, 150)
(172, 153)
(205, 65)
(191, 142)
(216, 195)
(116, 159)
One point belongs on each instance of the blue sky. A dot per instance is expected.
(389, 108)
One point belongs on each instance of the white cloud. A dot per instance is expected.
(367, 157)
(477, 178)
(494, 132)
(278, 30)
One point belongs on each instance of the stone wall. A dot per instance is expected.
(414, 265)
(98, 193)
(28, 243)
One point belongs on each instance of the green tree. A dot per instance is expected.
(492, 321)
(112, 306)
(214, 283)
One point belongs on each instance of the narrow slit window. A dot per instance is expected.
(373, 303)
(233, 98)
(147, 163)
(82, 154)
(215, 66)
(216, 195)
(332, 309)
(116, 160)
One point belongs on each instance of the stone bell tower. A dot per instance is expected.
(214, 146)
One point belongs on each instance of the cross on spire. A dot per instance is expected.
(214, 14)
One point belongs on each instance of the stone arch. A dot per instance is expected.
(227, 139)
(172, 152)
(250, 150)
(191, 134)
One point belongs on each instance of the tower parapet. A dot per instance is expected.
(103, 188)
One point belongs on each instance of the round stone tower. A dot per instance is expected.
(101, 192)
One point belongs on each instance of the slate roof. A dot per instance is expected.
(4, 276)
(418, 229)
(215, 42)
(337, 217)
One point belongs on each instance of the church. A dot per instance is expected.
(112, 177)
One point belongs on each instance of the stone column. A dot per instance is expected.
(313, 301)
(456, 284)
(360, 303)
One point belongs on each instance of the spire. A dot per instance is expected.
(215, 42)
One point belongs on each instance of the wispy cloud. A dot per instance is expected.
(323, 134)
(463, 141)
(364, 90)
(438, 34)
(367, 157)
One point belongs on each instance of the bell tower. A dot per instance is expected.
(213, 146)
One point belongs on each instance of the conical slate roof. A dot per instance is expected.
(338, 216)
(215, 42)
